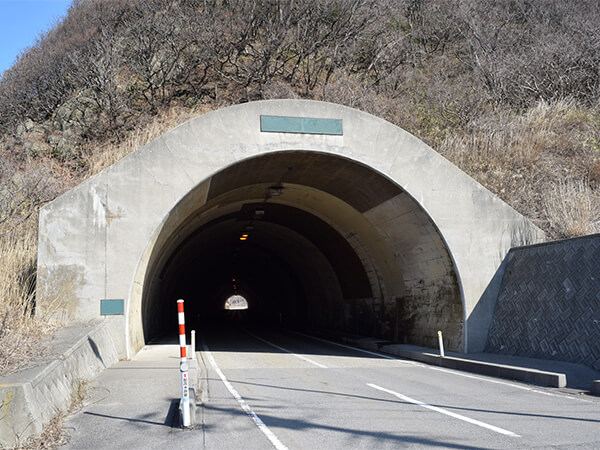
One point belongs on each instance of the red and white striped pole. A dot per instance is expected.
(182, 344)
(183, 368)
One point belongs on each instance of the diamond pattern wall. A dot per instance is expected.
(549, 303)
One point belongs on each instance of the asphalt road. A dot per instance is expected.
(270, 389)
(313, 394)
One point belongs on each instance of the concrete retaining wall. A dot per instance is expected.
(549, 303)
(31, 398)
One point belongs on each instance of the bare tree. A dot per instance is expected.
(164, 49)
(541, 49)
(98, 70)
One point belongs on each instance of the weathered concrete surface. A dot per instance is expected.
(548, 305)
(428, 237)
(32, 397)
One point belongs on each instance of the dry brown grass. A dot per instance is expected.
(573, 209)
(54, 436)
(522, 158)
(20, 330)
(507, 140)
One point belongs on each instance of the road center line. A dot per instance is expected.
(257, 420)
(443, 411)
(304, 358)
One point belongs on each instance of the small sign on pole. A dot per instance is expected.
(441, 342)
(183, 369)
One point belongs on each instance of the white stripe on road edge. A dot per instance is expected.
(443, 411)
(304, 358)
(356, 349)
(517, 386)
(257, 420)
(450, 371)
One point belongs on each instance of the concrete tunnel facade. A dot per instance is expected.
(353, 225)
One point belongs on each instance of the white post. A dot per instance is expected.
(183, 368)
(441, 344)
(193, 344)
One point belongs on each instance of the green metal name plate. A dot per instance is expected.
(112, 307)
(302, 125)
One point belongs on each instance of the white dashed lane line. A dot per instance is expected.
(303, 358)
(443, 411)
(257, 420)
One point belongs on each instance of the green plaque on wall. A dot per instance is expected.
(112, 307)
(301, 125)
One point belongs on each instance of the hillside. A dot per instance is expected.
(507, 90)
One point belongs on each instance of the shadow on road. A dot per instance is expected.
(171, 419)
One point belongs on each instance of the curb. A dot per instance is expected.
(32, 397)
(533, 376)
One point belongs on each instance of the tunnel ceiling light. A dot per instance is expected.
(244, 235)
(276, 190)
(243, 238)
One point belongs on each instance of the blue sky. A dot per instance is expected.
(21, 22)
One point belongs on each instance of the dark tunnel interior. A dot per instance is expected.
(290, 266)
(314, 242)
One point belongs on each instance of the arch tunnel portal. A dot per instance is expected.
(321, 253)
(352, 224)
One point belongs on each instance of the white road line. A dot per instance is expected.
(450, 371)
(517, 386)
(443, 411)
(380, 355)
(304, 358)
(257, 420)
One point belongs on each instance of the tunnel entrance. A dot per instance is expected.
(314, 242)
(355, 225)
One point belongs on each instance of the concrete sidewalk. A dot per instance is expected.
(140, 395)
(559, 374)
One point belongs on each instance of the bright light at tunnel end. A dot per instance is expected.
(236, 302)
